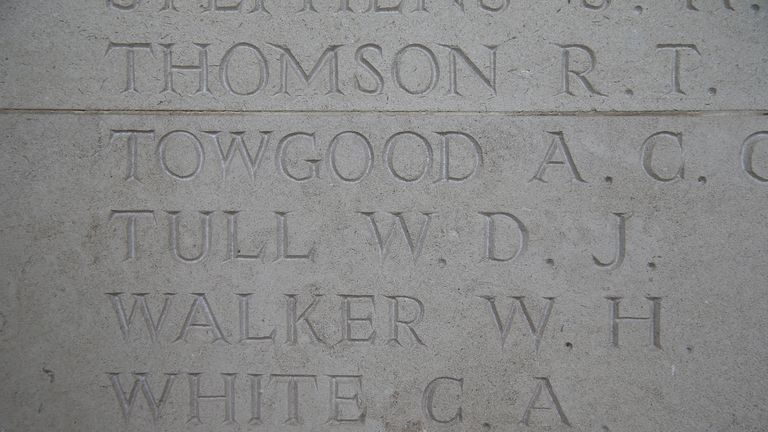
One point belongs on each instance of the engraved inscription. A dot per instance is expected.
(544, 384)
(384, 242)
(505, 325)
(558, 145)
(647, 156)
(654, 320)
(621, 244)
(428, 399)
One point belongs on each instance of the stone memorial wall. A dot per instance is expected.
(384, 215)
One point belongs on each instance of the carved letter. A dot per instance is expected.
(347, 319)
(541, 384)
(367, 148)
(621, 240)
(201, 68)
(337, 399)
(282, 242)
(395, 320)
(654, 319)
(133, 149)
(256, 394)
(456, 52)
(370, 68)
(251, 162)
(567, 72)
(288, 61)
(245, 326)
(228, 397)
(384, 243)
(427, 400)
(140, 301)
(677, 48)
(747, 152)
(281, 157)
(263, 69)
(650, 144)
(201, 305)
(293, 394)
(489, 250)
(389, 151)
(205, 222)
(130, 61)
(434, 69)
(140, 383)
(292, 320)
(233, 251)
(445, 163)
(132, 217)
(537, 331)
(558, 143)
(199, 154)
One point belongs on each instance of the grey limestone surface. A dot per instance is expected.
(568, 237)
(71, 54)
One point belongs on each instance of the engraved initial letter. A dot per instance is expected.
(427, 400)
(655, 320)
(537, 331)
(543, 383)
(647, 156)
(677, 48)
(567, 72)
(558, 143)
(748, 150)
(620, 245)
(489, 251)
(385, 242)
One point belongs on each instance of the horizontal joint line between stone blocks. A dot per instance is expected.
(712, 113)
